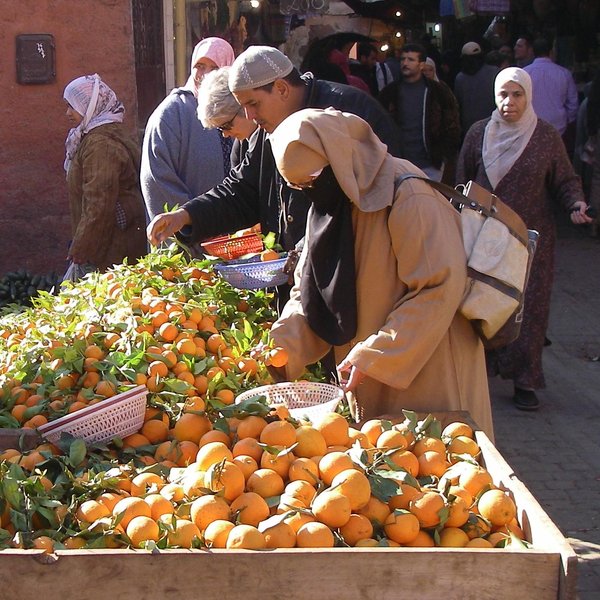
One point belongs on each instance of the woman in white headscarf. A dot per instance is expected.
(523, 160)
(381, 275)
(180, 158)
(102, 165)
(429, 69)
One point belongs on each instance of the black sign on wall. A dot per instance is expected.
(35, 58)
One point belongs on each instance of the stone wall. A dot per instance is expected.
(90, 36)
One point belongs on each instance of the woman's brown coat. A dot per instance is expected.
(105, 170)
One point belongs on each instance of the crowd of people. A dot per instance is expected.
(315, 157)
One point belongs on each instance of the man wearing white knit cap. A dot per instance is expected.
(269, 88)
(258, 66)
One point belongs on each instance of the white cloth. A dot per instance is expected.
(504, 142)
(96, 103)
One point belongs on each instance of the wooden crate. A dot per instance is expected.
(25, 439)
(546, 572)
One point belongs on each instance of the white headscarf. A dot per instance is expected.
(504, 142)
(98, 105)
(432, 64)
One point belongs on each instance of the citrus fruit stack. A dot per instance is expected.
(163, 322)
(203, 471)
(276, 484)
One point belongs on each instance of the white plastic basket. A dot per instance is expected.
(252, 274)
(118, 416)
(304, 399)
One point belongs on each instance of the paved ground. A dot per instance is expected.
(556, 451)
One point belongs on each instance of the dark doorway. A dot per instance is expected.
(149, 56)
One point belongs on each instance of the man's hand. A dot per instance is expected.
(166, 225)
(277, 373)
(355, 377)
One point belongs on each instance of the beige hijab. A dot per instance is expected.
(504, 142)
(312, 138)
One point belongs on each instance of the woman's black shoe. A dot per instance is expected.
(526, 399)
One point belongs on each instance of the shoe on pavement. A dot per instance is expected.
(525, 399)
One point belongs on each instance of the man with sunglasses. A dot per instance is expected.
(269, 89)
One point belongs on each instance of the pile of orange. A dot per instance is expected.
(190, 337)
(192, 476)
(277, 484)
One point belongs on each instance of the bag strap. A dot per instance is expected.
(487, 203)
(457, 199)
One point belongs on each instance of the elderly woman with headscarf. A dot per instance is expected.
(102, 164)
(523, 160)
(180, 158)
(218, 109)
(381, 275)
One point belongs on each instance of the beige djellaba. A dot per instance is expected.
(417, 351)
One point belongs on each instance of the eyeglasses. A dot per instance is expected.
(228, 125)
(307, 185)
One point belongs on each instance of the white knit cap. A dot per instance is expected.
(258, 66)
(471, 48)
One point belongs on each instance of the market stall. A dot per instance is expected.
(224, 488)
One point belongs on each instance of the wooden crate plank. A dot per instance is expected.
(547, 572)
(335, 574)
(25, 439)
(538, 526)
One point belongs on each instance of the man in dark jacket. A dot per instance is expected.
(427, 114)
(269, 88)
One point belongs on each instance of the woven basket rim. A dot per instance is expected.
(291, 385)
(228, 238)
(240, 267)
(90, 411)
(230, 248)
(253, 273)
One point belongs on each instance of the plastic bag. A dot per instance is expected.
(76, 271)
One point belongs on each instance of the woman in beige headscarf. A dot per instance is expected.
(523, 160)
(381, 275)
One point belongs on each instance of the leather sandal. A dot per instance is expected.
(526, 399)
